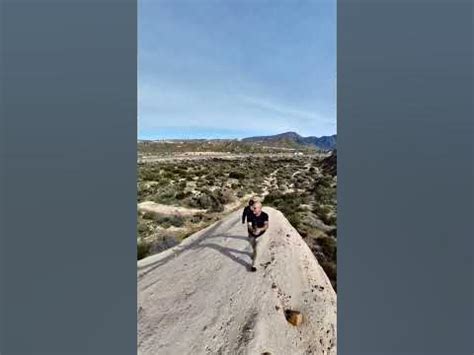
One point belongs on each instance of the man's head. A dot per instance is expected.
(257, 208)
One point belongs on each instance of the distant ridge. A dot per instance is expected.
(324, 142)
(286, 139)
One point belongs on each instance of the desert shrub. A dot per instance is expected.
(331, 271)
(141, 195)
(163, 182)
(168, 221)
(167, 175)
(143, 249)
(274, 198)
(162, 242)
(320, 210)
(142, 228)
(330, 219)
(165, 195)
(333, 232)
(207, 200)
(180, 195)
(240, 194)
(191, 201)
(325, 214)
(258, 189)
(324, 181)
(324, 194)
(216, 206)
(148, 215)
(236, 175)
(147, 175)
(294, 219)
(328, 247)
(197, 218)
(181, 171)
(224, 196)
(177, 221)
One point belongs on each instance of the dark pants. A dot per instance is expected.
(253, 243)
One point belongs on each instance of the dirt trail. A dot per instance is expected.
(150, 206)
(267, 183)
(199, 298)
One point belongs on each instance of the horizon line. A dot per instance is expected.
(155, 138)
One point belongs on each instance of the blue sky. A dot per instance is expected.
(236, 68)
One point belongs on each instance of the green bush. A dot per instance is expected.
(330, 219)
(142, 228)
(294, 219)
(180, 195)
(168, 221)
(224, 196)
(328, 247)
(197, 218)
(143, 249)
(167, 175)
(149, 215)
(236, 175)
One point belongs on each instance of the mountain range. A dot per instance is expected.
(324, 142)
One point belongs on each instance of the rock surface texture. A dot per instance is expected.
(200, 298)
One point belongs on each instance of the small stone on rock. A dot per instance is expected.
(294, 317)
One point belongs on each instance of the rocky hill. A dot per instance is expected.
(200, 298)
(329, 164)
(293, 138)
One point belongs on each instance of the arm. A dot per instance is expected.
(263, 229)
(244, 215)
(250, 227)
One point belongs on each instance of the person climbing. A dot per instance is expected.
(257, 226)
(248, 212)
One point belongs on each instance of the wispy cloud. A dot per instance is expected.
(285, 111)
(237, 69)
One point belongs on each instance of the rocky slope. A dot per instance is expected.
(200, 298)
(324, 142)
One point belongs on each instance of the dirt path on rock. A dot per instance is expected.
(199, 298)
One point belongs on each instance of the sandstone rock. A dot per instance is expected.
(294, 317)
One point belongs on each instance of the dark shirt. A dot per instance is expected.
(248, 213)
(258, 221)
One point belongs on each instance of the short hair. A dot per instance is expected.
(251, 202)
(258, 203)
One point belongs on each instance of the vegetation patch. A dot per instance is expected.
(303, 188)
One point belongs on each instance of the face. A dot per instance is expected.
(257, 209)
